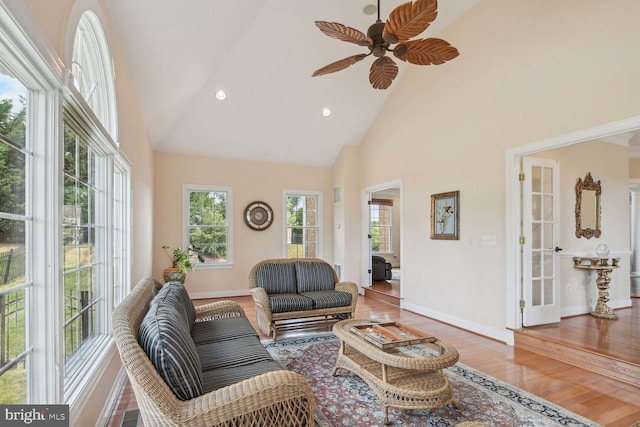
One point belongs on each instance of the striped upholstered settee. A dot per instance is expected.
(299, 292)
(203, 366)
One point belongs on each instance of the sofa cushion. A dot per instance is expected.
(230, 353)
(214, 379)
(329, 299)
(226, 328)
(277, 277)
(284, 303)
(174, 293)
(314, 276)
(164, 337)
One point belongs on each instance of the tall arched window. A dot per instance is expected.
(92, 71)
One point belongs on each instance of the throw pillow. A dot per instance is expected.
(277, 277)
(174, 293)
(165, 338)
(314, 276)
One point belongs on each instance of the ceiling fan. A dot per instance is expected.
(405, 21)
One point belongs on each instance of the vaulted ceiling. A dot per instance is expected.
(262, 53)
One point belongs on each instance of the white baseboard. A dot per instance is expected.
(219, 294)
(504, 336)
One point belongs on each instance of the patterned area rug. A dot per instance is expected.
(346, 400)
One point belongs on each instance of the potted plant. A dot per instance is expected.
(180, 262)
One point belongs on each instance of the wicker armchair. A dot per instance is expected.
(278, 398)
(270, 322)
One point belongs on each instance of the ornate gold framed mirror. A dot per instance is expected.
(588, 207)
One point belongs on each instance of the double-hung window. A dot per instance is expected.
(381, 225)
(208, 214)
(302, 233)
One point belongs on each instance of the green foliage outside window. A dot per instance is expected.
(12, 170)
(208, 228)
(13, 382)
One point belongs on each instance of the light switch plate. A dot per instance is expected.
(488, 240)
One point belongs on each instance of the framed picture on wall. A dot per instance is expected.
(445, 215)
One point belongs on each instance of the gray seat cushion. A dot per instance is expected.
(231, 353)
(227, 328)
(329, 299)
(277, 277)
(314, 276)
(217, 378)
(284, 303)
(165, 338)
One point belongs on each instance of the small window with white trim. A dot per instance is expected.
(208, 215)
(381, 225)
(302, 224)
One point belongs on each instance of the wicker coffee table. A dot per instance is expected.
(408, 377)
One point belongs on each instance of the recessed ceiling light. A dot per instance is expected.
(221, 95)
(326, 112)
(370, 9)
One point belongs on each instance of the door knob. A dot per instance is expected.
(557, 249)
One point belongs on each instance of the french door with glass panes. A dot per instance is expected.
(539, 246)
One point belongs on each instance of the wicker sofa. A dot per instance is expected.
(299, 292)
(239, 384)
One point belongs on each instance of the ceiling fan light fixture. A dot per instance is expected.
(221, 95)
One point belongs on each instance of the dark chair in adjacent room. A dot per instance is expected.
(380, 268)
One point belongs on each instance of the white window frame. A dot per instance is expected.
(318, 195)
(27, 55)
(92, 70)
(186, 190)
(390, 227)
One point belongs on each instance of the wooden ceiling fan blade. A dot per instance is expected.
(339, 65)
(383, 71)
(426, 51)
(409, 20)
(344, 33)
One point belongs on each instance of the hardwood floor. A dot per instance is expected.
(607, 401)
(610, 347)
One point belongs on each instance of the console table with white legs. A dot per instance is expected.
(603, 267)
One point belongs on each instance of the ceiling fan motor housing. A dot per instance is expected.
(379, 47)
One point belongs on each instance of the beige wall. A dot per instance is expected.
(250, 181)
(52, 17)
(634, 168)
(346, 214)
(527, 71)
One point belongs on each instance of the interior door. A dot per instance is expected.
(540, 223)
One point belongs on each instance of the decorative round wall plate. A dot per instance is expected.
(258, 215)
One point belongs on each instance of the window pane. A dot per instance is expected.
(302, 233)
(13, 110)
(208, 228)
(13, 257)
(80, 232)
(13, 383)
(536, 293)
(548, 180)
(380, 228)
(536, 179)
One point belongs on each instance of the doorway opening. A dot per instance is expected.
(515, 274)
(383, 242)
